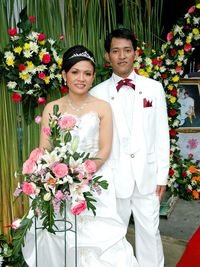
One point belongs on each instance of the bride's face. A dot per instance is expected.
(80, 77)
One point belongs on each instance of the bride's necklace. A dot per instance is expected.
(75, 108)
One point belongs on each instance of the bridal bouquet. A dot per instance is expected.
(56, 176)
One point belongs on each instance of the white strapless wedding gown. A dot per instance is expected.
(101, 239)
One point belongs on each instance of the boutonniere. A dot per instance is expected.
(147, 103)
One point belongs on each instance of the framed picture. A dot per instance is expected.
(189, 99)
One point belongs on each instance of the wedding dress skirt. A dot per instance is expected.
(101, 239)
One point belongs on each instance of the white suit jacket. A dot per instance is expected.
(141, 154)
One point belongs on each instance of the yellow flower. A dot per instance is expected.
(162, 56)
(198, 6)
(195, 31)
(29, 64)
(41, 55)
(149, 69)
(42, 42)
(188, 40)
(17, 49)
(170, 87)
(10, 62)
(188, 20)
(60, 61)
(175, 78)
(181, 52)
(23, 76)
(179, 63)
(47, 79)
(26, 46)
(156, 67)
(143, 72)
(172, 99)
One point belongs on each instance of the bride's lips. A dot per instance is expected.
(80, 86)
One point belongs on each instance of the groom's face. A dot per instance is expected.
(121, 56)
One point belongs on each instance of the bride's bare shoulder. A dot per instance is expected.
(49, 107)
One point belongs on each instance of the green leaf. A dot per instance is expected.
(55, 110)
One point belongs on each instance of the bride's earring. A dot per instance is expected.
(65, 83)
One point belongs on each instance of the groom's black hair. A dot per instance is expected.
(120, 33)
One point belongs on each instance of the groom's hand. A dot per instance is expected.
(160, 191)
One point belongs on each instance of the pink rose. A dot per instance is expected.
(187, 47)
(12, 32)
(169, 36)
(60, 170)
(46, 58)
(191, 9)
(36, 154)
(41, 101)
(42, 75)
(38, 119)
(31, 19)
(90, 166)
(46, 130)
(59, 195)
(61, 37)
(67, 122)
(178, 69)
(28, 166)
(41, 37)
(16, 224)
(28, 188)
(78, 207)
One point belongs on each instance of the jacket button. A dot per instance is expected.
(132, 155)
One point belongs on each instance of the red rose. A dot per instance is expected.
(164, 75)
(42, 75)
(184, 174)
(172, 132)
(171, 172)
(46, 58)
(187, 47)
(178, 69)
(21, 67)
(173, 52)
(16, 97)
(61, 37)
(41, 101)
(172, 112)
(64, 89)
(174, 92)
(41, 36)
(32, 19)
(169, 36)
(142, 65)
(106, 65)
(12, 32)
(155, 61)
(140, 51)
(186, 27)
(190, 155)
(136, 70)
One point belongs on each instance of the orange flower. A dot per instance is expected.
(197, 178)
(51, 182)
(192, 169)
(195, 194)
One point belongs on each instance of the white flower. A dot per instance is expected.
(51, 41)
(168, 62)
(27, 53)
(178, 42)
(148, 61)
(41, 68)
(9, 55)
(50, 158)
(30, 92)
(32, 36)
(178, 29)
(34, 47)
(47, 196)
(53, 67)
(11, 85)
(162, 69)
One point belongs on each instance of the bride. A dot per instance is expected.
(101, 240)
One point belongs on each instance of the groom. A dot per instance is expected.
(140, 153)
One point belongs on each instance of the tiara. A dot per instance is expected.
(83, 54)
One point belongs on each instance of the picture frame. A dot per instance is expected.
(189, 99)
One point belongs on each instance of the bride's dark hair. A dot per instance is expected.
(76, 54)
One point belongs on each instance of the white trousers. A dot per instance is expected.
(145, 210)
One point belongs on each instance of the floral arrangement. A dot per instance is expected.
(167, 66)
(56, 176)
(31, 64)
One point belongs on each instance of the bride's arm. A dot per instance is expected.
(105, 134)
(44, 139)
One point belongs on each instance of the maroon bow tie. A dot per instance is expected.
(127, 82)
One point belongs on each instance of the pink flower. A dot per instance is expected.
(36, 154)
(59, 195)
(12, 32)
(42, 75)
(78, 207)
(16, 224)
(169, 36)
(46, 130)
(38, 119)
(67, 122)
(60, 170)
(41, 101)
(41, 37)
(28, 188)
(28, 166)
(178, 69)
(187, 47)
(90, 166)
(191, 9)
(16, 97)
(61, 37)
(17, 192)
(46, 58)
(32, 19)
